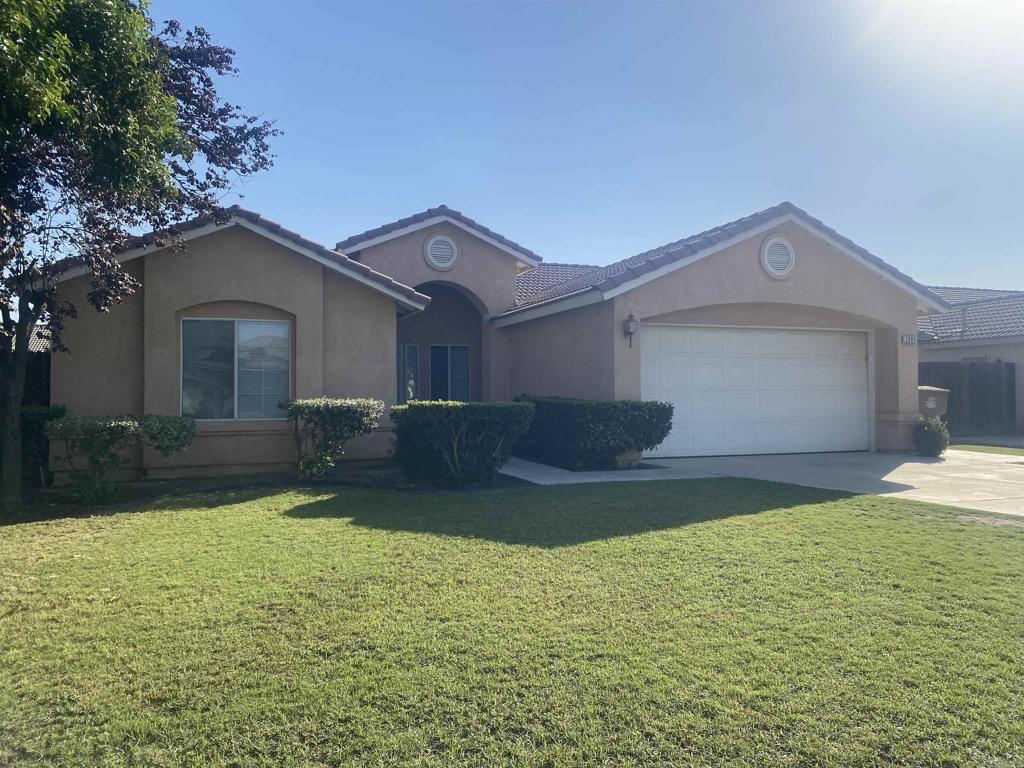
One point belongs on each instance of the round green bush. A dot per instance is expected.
(454, 443)
(931, 437)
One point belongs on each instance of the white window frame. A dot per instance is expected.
(469, 371)
(234, 321)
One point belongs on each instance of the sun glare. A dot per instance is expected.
(979, 45)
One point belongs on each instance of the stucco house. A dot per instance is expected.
(984, 325)
(771, 333)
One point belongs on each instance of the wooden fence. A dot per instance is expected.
(982, 396)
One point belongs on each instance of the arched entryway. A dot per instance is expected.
(439, 349)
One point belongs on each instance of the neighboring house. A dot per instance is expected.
(984, 325)
(772, 333)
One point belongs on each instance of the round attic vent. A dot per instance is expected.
(777, 257)
(441, 252)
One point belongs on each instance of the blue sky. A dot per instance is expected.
(590, 131)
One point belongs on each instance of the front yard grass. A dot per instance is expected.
(1003, 449)
(688, 623)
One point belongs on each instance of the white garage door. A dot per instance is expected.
(742, 390)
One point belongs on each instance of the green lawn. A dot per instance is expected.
(693, 623)
(988, 449)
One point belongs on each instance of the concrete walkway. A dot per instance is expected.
(982, 481)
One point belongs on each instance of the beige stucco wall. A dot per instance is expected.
(1008, 351)
(568, 354)
(342, 332)
(101, 374)
(486, 272)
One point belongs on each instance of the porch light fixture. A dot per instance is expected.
(630, 326)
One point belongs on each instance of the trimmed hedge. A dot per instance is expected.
(931, 436)
(98, 438)
(324, 424)
(453, 443)
(590, 434)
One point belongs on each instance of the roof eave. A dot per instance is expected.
(612, 287)
(403, 295)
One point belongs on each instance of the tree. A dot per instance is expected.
(107, 127)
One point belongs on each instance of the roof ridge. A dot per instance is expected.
(1007, 296)
(566, 264)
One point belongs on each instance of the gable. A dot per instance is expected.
(822, 275)
(615, 279)
(431, 217)
(403, 295)
(485, 272)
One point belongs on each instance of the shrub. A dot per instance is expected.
(590, 434)
(97, 440)
(323, 425)
(931, 436)
(450, 443)
(35, 447)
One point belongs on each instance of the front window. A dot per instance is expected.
(234, 369)
(449, 373)
(408, 365)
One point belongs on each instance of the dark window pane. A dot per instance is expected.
(207, 369)
(439, 373)
(263, 375)
(459, 373)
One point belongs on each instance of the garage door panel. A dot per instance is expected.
(674, 342)
(705, 340)
(748, 390)
(709, 440)
(740, 407)
(781, 405)
(709, 408)
(708, 373)
(682, 408)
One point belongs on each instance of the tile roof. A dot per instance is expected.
(991, 318)
(544, 276)
(340, 259)
(352, 242)
(609, 277)
(964, 295)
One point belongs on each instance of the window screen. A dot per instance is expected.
(208, 369)
(234, 368)
(263, 353)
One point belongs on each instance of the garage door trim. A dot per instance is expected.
(869, 334)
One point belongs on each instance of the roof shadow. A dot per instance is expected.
(561, 516)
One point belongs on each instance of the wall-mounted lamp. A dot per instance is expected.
(630, 326)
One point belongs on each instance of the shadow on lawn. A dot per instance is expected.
(169, 496)
(560, 516)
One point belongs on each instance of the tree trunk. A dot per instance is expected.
(12, 390)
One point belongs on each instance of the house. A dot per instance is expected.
(772, 333)
(984, 325)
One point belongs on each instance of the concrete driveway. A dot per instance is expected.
(982, 481)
